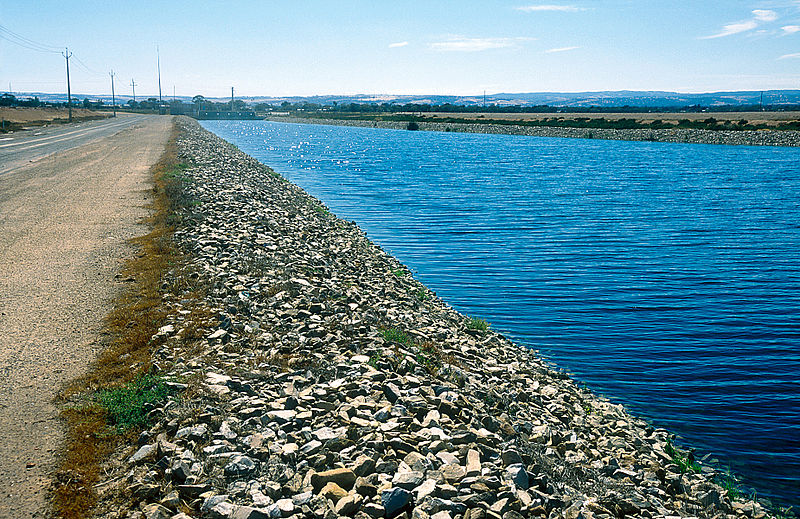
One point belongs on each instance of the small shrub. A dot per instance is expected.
(427, 356)
(395, 335)
(375, 359)
(127, 406)
(413, 126)
(476, 323)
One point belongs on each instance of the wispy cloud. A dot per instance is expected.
(790, 29)
(796, 55)
(759, 16)
(551, 7)
(461, 44)
(398, 44)
(560, 49)
(765, 15)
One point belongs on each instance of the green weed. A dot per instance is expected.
(730, 483)
(476, 323)
(395, 335)
(427, 356)
(128, 406)
(684, 462)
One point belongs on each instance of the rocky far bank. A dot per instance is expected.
(328, 383)
(742, 138)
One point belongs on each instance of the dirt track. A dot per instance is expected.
(64, 220)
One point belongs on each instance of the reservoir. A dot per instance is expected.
(664, 276)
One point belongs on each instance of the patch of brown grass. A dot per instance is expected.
(137, 314)
(17, 118)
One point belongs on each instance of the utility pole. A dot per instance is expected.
(484, 99)
(67, 54)
(113, 99)
(761, 102)
(173, 93)
(231, 98)
(158, 57)
(133, 86)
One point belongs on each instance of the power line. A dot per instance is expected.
(87, 68)
(17, 39)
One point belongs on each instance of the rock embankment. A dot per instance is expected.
(743, 138)
(328, 383)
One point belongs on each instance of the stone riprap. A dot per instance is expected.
(329, 383)
(742, 138)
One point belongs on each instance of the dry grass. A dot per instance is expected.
(138, 313)
(17, 118)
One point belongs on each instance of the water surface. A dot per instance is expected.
(665, 276)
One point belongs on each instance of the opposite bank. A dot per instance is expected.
(315, 378)
(730, 137)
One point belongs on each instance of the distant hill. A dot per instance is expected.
(621, 98)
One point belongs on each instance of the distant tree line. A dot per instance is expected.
(379, 108)
(12, 100)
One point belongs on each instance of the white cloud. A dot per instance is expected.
(733, 28)
(560, 49)
(461, 44)
(790, 29)
(765, 15)
(398, 44)
(759, 16)
(562, 8)
(790, 56)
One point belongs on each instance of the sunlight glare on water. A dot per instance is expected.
(665, 276)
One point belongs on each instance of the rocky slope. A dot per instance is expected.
(328, 383)
(743, 138)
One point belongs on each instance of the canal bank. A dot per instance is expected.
(695, 136)
(317, 378)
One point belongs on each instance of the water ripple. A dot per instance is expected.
(665, 276)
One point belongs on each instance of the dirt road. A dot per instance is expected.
(64, 220)
(21, 147)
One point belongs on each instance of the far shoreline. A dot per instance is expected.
(787, 138)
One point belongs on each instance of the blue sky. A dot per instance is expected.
(308, 47)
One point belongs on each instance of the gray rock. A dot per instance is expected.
(374, 510)
(156, 511)
(473, 463)
(194, 433)
(408, 480)
(145, 453)
(511, 457)
(396, 500)
(349, 505)
(240, 465)
(248, 512)
(311, 448)
(364, 465)
(391, 391)
(518, 475)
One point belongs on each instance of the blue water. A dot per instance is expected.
(665, 276)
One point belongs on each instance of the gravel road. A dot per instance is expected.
(64, 220)
(19, 148)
